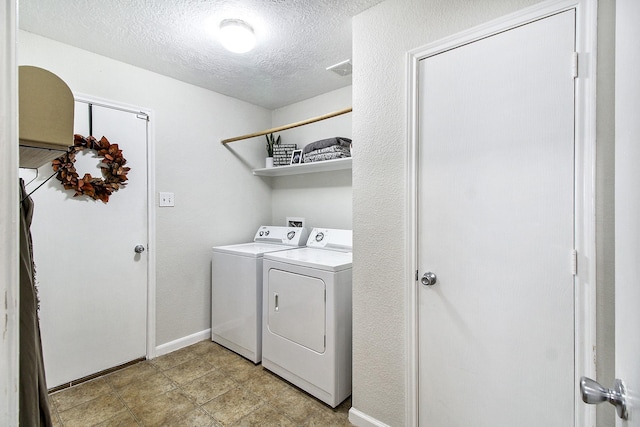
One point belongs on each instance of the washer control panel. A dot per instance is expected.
(290, 236)
(331, 238)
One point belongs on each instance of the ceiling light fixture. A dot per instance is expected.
(237, 36)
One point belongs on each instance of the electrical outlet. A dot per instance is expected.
(295, 222)
(167, 199)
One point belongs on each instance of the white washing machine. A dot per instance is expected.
(306, 327)
(236, 288)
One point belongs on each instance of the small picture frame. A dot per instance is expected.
(296, 157)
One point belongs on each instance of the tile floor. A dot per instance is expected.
(201, 385)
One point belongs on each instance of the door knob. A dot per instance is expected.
(429, 279)
(593, 393)
(139, 249)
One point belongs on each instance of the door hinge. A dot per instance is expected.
(574, 65)
(574, 262)
(143, 116)
(416, 275)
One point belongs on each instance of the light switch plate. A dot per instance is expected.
(167, 199)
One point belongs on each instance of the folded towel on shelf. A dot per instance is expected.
(310, 158)
(324, 143)
(332, 149)
(328, 153)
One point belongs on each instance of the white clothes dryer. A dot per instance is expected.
(306, 335)
(236, 288)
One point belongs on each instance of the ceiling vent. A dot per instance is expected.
(341, 68)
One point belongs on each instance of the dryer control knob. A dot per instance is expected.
(319, 237)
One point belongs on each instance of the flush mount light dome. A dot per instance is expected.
(237, 36)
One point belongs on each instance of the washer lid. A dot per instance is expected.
(320, 259)
(253, 249)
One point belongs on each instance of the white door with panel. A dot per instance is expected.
(92, 283)
(496, 228)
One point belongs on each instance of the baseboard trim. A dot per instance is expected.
(360, 419)
(94, 376)
(182, 342)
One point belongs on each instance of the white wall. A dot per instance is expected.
(218, 200)
(9, 258)
(605, 212)
(381, 37)
(323, 199)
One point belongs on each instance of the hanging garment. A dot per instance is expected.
(34, 400)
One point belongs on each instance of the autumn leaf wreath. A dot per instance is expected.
(112, 165)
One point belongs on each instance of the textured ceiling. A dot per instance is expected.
(296, 41)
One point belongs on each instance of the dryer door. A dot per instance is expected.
(297, 308)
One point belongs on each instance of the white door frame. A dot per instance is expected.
(585, 212)
(627, 206)
(9, 222)
(151, 211)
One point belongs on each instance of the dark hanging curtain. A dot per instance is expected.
(34, 403)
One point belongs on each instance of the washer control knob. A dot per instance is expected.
(266, 233)
(261, 233)
(319, 236)
(291, 235)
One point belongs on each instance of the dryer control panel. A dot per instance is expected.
(290, 236)
(331, 238)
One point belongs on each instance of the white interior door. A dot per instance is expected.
(496, 226)
(92, 285)
(628, 206)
